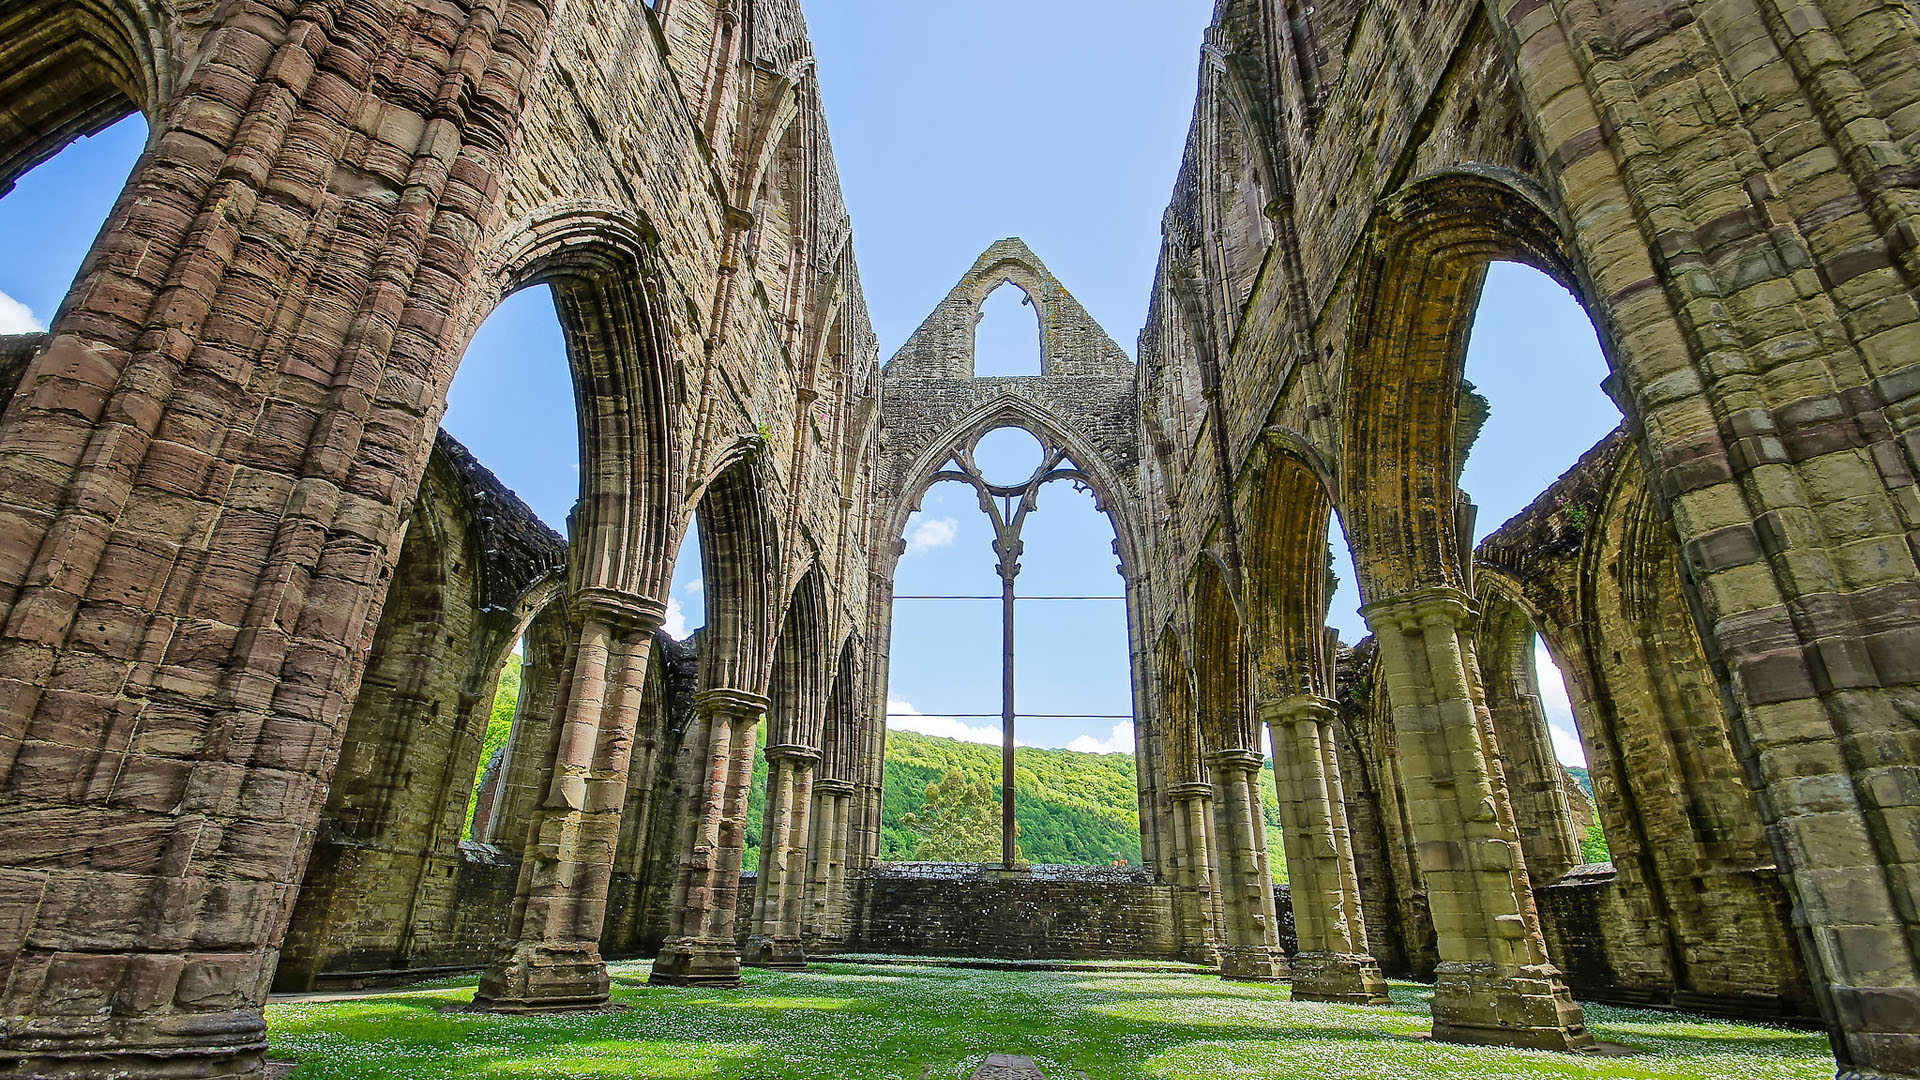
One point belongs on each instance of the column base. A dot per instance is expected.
(1494, 1005)
(542, 979)
(216, 1046)
(775, 954)
(692, 962)
(1246, 963)
(1343, 978)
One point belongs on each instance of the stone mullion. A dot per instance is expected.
(552, 960)
(1251, 934)
(1494, 984)
(1332, 963)
(701, 948)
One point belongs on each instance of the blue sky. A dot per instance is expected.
(956, 125)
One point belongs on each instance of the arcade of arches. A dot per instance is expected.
(253, 606)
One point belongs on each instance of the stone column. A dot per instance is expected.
(701, 949)
(1333, 962)
(1494, 984)
(1250, 949)
(1193, 862)
(777, 933)
(827, 887)
(551, 961)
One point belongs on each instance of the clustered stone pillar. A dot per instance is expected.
(779, 911)
(1193, 861)
(826, 898)
(552, 958)
(1494, 983)
(1250, 947)
(701, 948)
(1333, 962)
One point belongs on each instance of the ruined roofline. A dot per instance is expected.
(1547, 521)
(517, 548)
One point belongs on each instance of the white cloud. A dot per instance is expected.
(676, 624)
(17, 318)
(1120, 742)
(1553, 698)
(902, 716)
(932, 533)
(695, 587)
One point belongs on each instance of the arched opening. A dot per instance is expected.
(1006, 335)
(1250, 940)
(784, 778)
(832, 820)
(1409, 423)
(56, 211)
(1524, 423)
(1008, 581)
(1074, 687)
(687, 593)
(447, 743)
(512, 406)
(1241, 198)
(1190, 859)
(73, 68)
(512, 772)
(1551, 808)
(780, 225)
(943, 681)
(741, 571)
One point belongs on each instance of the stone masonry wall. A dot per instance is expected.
(1068, 914)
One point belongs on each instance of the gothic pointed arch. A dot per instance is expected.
(1288, 577)
(798, 687)
(1084, 461)
(740, 563)
(602, 266)
(1431, 243)
(70, 68)
(1221, 660)
(1182, 743)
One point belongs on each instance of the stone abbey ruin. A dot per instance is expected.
(253, 605)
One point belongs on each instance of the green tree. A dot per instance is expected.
(959, 822)
(506, 701)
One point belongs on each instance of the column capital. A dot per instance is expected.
(833, 786)
(1298, 708)
(625, 611)
(720, 699)
(1184, 792)
(1440, 606)
(1247, 760)
(794, 752)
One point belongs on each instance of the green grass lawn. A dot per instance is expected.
(908, 1023)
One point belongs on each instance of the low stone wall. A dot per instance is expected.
(1047, 913)
(462, 934)
(1609, 956)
